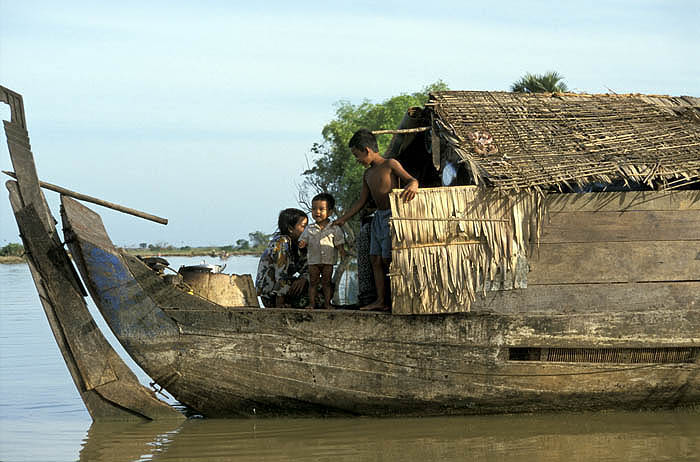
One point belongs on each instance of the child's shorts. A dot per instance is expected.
(380, 241)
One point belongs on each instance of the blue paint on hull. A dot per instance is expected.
(132, 316)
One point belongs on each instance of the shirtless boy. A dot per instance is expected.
(379, 179)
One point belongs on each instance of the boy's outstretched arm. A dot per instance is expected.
(409, 191)
(356, 207)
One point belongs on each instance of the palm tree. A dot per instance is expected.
(550, 82)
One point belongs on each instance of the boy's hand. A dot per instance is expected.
(302, 244)
(409, 192)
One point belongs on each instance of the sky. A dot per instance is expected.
(205, 112)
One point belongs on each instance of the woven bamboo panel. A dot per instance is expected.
(513, 140)
(450, 243)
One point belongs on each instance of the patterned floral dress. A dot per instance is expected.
(280, 265)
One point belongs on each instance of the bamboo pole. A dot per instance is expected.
(399, 131)
(94, 200)
(446, 219)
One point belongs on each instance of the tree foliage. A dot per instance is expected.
(12, 250)
(258, 239)
(242, 244)
(333, 168)
(549, 82)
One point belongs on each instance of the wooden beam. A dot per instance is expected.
(94, 200)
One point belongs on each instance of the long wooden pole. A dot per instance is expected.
(94, 200)
(400, 131)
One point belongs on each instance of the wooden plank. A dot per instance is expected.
(578, 263)
(96, 405)
(85, 223)
(605, 226)
(78, 326)
(30, 193)
(613, 297)
(14, 100)
(623, 201)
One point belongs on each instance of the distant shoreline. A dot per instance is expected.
(11, 260)
(14, 260)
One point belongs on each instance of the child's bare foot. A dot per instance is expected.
(375, 306)
(309, 307)
(328, 306)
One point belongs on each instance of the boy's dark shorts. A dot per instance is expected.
(380, 242)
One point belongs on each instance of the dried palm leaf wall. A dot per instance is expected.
(450, 243)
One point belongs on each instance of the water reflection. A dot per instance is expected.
(127, 441)
(580, 437)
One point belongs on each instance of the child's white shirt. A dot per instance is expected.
(321, 243)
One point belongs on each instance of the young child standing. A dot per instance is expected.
(379, 179)
(323, 240)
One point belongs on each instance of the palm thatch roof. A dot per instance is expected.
(514, 141)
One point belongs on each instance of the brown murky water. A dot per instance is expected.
(43, 419)
(639, 436)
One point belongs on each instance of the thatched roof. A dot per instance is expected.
(513, 140)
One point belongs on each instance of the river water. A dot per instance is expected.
(43, 419)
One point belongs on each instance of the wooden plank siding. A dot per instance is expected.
(624, 201)
(639, 225)
(597, 262)
(612, 251)
(613, 297)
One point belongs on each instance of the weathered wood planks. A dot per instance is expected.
(623, 201)
(627, 237)
(268, 361)
(580, 263)
(106, 384)
(592, 297)
(616, 226)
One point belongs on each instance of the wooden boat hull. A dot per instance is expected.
(263, 362)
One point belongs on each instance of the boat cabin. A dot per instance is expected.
(547, 202)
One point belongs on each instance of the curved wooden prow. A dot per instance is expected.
(109, 389)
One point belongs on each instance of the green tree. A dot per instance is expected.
(12, 250)
(333, 168)
(258, 239)
(549, 82)
(242, 244)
